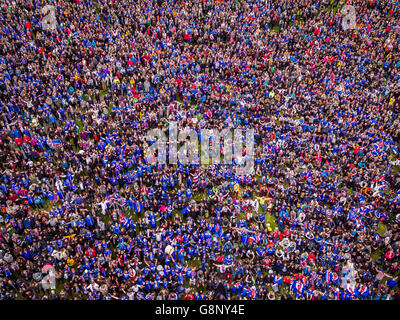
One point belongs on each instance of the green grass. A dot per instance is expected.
(376, 255)
(79, 124)
(199, 196)
(381, 229)
(195, 263)
(177, 212)
(269, 218)
(85, 97)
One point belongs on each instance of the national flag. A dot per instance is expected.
(364, 291)
(125, 221)
(328, 276)
(109, 198)
(144, 190)
(337, 293)
(299, 286)
(138, 206)
(253, 293)
(56, 143)
(360, 224)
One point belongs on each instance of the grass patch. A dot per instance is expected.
(376, 255)
(381, 229)
(199, 196)
(269, 218)
(79, 124)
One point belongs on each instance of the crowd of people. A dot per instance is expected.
(84, 215)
